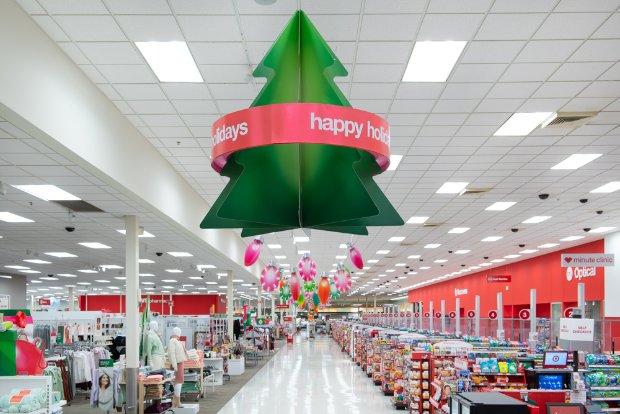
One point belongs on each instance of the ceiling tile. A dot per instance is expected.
(337, 27)
(385, 52)
(593, 5)
(570, 25)
(449, 26)
(580, 71)
(138, 6)
(513, 90)
(529, 72)
(393, 6)
(110, 53)
(456, 6)
(390, 27)
(140, 91)
(74, 6)
(477, 72)
(559, 89)
(263, 27)
(378, 73)
(127, 73)
(195, 106)
(210, 28)
(90, 28)
(218, 53)
(598, 50)
(509, 26)
(186, 90)
(139, 28)
(524, 6)
(537, 51)
(51, 28)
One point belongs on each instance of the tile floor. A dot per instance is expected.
(309, 377)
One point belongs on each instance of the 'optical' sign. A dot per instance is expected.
(596, 260)
(579, 273)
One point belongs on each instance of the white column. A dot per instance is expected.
(259, 302)
(477, 320)
(230, 303)
(500, 316)
(421, 312)
(533, 338)
(132, 299)
(273, 306)
(430, 311)
(32, 302)
(457, 329)
(581, 298)
(375, 303)
(71, 300)
(443, 316)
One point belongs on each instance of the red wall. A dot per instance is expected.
(182, 304)
(544, 273)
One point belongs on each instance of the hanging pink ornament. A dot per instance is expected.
(269, 277)
(356, 256)
(342, 279)
(253, 251)
(307, 269)
(294, 283)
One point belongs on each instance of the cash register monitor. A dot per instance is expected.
(555, 359)
(557, 408)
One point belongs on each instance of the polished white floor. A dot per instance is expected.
(309, 377)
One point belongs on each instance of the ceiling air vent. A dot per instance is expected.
(474, 191)
(432, 224)
(79, 206)
(568, 119)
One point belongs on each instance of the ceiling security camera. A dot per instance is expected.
(522, 245)
(70, 229)
(449, 251)
(543, 196)
(485, 257)
(462, 265)
(583, 200)
(587, 229)
(159, 254)
(514, 230)
(599, 211)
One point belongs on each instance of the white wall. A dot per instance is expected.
(612, 277)
(16, 289)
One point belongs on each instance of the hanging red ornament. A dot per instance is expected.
(356, 256)
(252, 252)
(324, 289)
(294, 283)
(269, 277)
(342, 279)
(307, 268)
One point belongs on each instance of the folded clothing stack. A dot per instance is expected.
(153, 378)
(193, 355)
(154, 391)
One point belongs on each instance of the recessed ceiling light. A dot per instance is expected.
(49, 278)
(485, 264)
(102, 281)
(462, 251)
(425, 267)
(536, 219)
(37, 261)
(94, 245)
(383, 251)
(500, 206)
(491, 238)
(432, 246)
(400, 264)
(417, 220)
(521, 124)
(301, 239)
(396, 239)
(144, 233)
(452, 187)
(512, 256)
(459, 230)
(440, 261)
(274, 246)
(285, 265)
(528, 251)
(432, 61)
(498, 260)
(414, 256)
(222, 274)
(13, 218)
(180, 254)
(607, 188)
(66, 275)
(211, 283)
(280, 257)
(83, 283)
(575, 161)
(195, 277)
(394, 161)
(111, 267)
(60, 254)
(170, 61)
(390, 271)
(572, 238)
(174, 271)
(87, 271)
(145, 261)
(30, 271)
(169, 281)
(120, 278)
(146, 274)
(548, 245)
(47, 192)
(17, 267)
(602, 229)
(341, 257)
(207, 266)
(148, 283)
(303, 251)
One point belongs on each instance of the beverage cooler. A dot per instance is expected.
(485, 403)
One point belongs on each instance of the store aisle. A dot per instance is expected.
(309, 377)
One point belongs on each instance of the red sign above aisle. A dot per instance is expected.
(437, 314)
(471, 314)
(452, 315)
(281, 306)
(45, 302)
(524, 314)
(499, 279)
(427, 314)
(568, 312)
(492, 314)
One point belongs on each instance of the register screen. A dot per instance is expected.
(555, 359)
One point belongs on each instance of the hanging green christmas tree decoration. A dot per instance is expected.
(300, 156)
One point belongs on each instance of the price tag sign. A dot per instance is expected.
(471, 314)
(452, 315)
(524, 314)
(492, 314)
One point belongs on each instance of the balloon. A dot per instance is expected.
(282, 281)
(285, 292)
(342, 280)
(294, 283)
(315, 299)
(307, 268)
(301, 302)
(252, 251)
(269, 278)
(28, 359)
(310, 286)
(355, 256)
(20, 319)
(323, 290)
(334, 293)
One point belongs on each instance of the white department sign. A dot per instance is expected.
(577, 329)
(595, 260)
(5, 301)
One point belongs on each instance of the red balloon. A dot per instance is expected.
(356, 256)
(324, 290)
(28, 359)
(295, 284)
(252, 252)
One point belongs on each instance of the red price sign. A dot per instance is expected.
(416, 315)
(452, 315)
(471, 314)
(427, 314)
(524, 314)
(492, 314)
(437, 314)
(409, 314)
(568, 312)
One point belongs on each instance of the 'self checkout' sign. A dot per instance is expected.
(577, 329)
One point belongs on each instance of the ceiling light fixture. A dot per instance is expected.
(395, 160)
(60, 254)
(47, 192)
(572, 238)
(602, 229)
(301, 239)
(174, 271)
(432, 246)
(548, 245)
(396, 239)
(452, 187)
(528, 251)
(170, 61)
(500, 206)
(417, 220)
(522, 123)
(432, 61)
(274, 246)
(180, 254)
(462, 251)
(414, 256)
(607, 188)
(13, 218)
(536, 219)
(144, 233)
(94, 245)
(383, 251)
(491, 239)
(575, 161)
(459, 230)
(37, 261)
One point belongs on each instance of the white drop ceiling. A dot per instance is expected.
(521, 56)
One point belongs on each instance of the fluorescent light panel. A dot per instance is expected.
(607, 188)
(144, 233)
(13, 218)
(180, 254)
(575, 161)
(274, 246)
(396, 239)
(459, 230)
(145, 261)
(491, 238)
(301, 239)
(500, 206)
(452, 187)
(60, 254)
(417, 220)
(47, 192)
(433, 61)
(536, 219)
(395, 160)
(462, 251)
(572, 238)
(37, 261)
(170, 61)
(432, 246)
(548, 245)
(521, 124)
(602, 229)
(528, 251)
(94, 245)
(383, 251)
